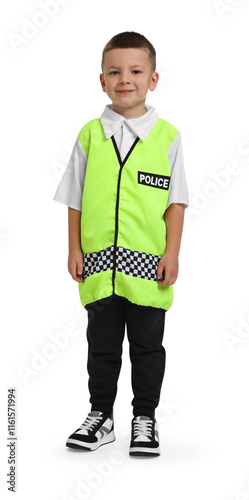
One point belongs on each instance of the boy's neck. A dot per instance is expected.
(128, 113)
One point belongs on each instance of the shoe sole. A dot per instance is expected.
(144, 452)
(81, 445)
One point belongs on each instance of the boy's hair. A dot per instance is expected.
(130, 39)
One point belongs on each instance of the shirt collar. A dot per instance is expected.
(112, 121)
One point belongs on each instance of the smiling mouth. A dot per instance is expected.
(125, 91)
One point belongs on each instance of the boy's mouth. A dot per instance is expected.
(125, 91)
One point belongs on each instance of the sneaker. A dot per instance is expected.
(144, 437)
(97, 429)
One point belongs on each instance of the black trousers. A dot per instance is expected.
(105, 333)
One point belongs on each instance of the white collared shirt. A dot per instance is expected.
(125, 131)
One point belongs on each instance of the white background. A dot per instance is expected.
(50, 89)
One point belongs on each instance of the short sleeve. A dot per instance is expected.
(70, 188)
(178, 190)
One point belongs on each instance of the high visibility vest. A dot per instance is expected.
(123, 230)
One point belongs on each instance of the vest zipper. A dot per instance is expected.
(121, 163)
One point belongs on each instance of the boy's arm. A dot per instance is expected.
(75, 256)
(174, 216)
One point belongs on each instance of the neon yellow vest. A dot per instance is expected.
(123, 230)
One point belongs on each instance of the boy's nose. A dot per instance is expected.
(124, 79)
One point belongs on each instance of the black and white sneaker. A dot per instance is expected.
(97, 429)
(144, 437)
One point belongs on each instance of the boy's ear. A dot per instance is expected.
(102, 81)
(154, 81)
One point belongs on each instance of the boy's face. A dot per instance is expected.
(127, 76)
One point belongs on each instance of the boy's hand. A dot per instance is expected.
(168, 263)
(75, 265)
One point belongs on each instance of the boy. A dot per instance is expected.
(125, 188)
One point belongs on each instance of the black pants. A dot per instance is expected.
(105, 333)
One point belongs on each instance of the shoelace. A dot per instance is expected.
(143, 427)
(90, 422)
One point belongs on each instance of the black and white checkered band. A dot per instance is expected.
(139, 264)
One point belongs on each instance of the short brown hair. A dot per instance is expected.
(130, 39)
